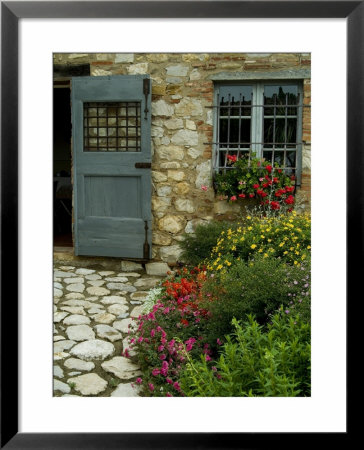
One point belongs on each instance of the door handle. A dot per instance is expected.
(143, 165)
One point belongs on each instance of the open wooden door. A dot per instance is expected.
(111, 119)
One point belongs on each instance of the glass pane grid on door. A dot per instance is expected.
(112, 127)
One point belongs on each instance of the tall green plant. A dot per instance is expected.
(255, 361)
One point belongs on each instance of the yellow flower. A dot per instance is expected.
(250, 228)
(253, 246)
(309, 246)
(219, 267)
(248, 217)
(266, 255)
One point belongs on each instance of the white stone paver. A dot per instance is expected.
(93, 316)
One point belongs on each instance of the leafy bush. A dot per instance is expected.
(259, 287)
(287, 237)
(255, 361)
(197, 246)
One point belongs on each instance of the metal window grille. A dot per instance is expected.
(264, 119)
(112, 127)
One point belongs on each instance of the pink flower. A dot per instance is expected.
(139, 380)
(218, 341)
(155, 372)
(204, 188)
(152, 332)
(177, 386)
(126, 353)
(169, 381)
(151, 386)
(140, 339)
(233, 198)
(162, 356)
(169, 395)
(208, 358)
(161, 348)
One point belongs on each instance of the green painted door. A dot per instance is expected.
(112, 184)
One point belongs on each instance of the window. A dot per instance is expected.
(261, 118)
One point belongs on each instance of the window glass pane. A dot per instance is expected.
(245, 129)
(234, 131)
(291, 159)
(291, 130)
(240, 96)
(280, 95)
(223, 132)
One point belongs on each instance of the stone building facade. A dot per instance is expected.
(182, 128)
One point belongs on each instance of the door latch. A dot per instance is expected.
(143, 165)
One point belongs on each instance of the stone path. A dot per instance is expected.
(92, 312)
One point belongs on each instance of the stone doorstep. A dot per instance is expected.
(63, 255)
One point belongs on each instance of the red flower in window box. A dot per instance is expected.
(232, 158)
(269, 168)
(274, 205)
(289, 200)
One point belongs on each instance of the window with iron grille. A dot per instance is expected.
(262, 119)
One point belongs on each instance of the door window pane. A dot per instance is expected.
(106, 122)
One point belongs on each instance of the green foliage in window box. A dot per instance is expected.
(272, 361)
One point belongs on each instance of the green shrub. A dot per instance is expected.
(198, 245)
(259, 288)
(272, 361)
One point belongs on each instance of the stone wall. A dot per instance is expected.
(182, 130)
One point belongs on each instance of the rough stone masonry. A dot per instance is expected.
(182, 130)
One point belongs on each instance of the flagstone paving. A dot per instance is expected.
(92, 315)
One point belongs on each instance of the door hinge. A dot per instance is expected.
(146, 92)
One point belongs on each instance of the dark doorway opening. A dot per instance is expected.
(62, 183)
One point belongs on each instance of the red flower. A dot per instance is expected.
(269, 168)
(233, 198)
(274, 205)
(232, 158)
(275, 180)
(184, 322)
(255, 186)
(289, 200)
(251, 195)
(242, 195)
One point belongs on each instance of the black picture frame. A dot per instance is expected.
(11, 12)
